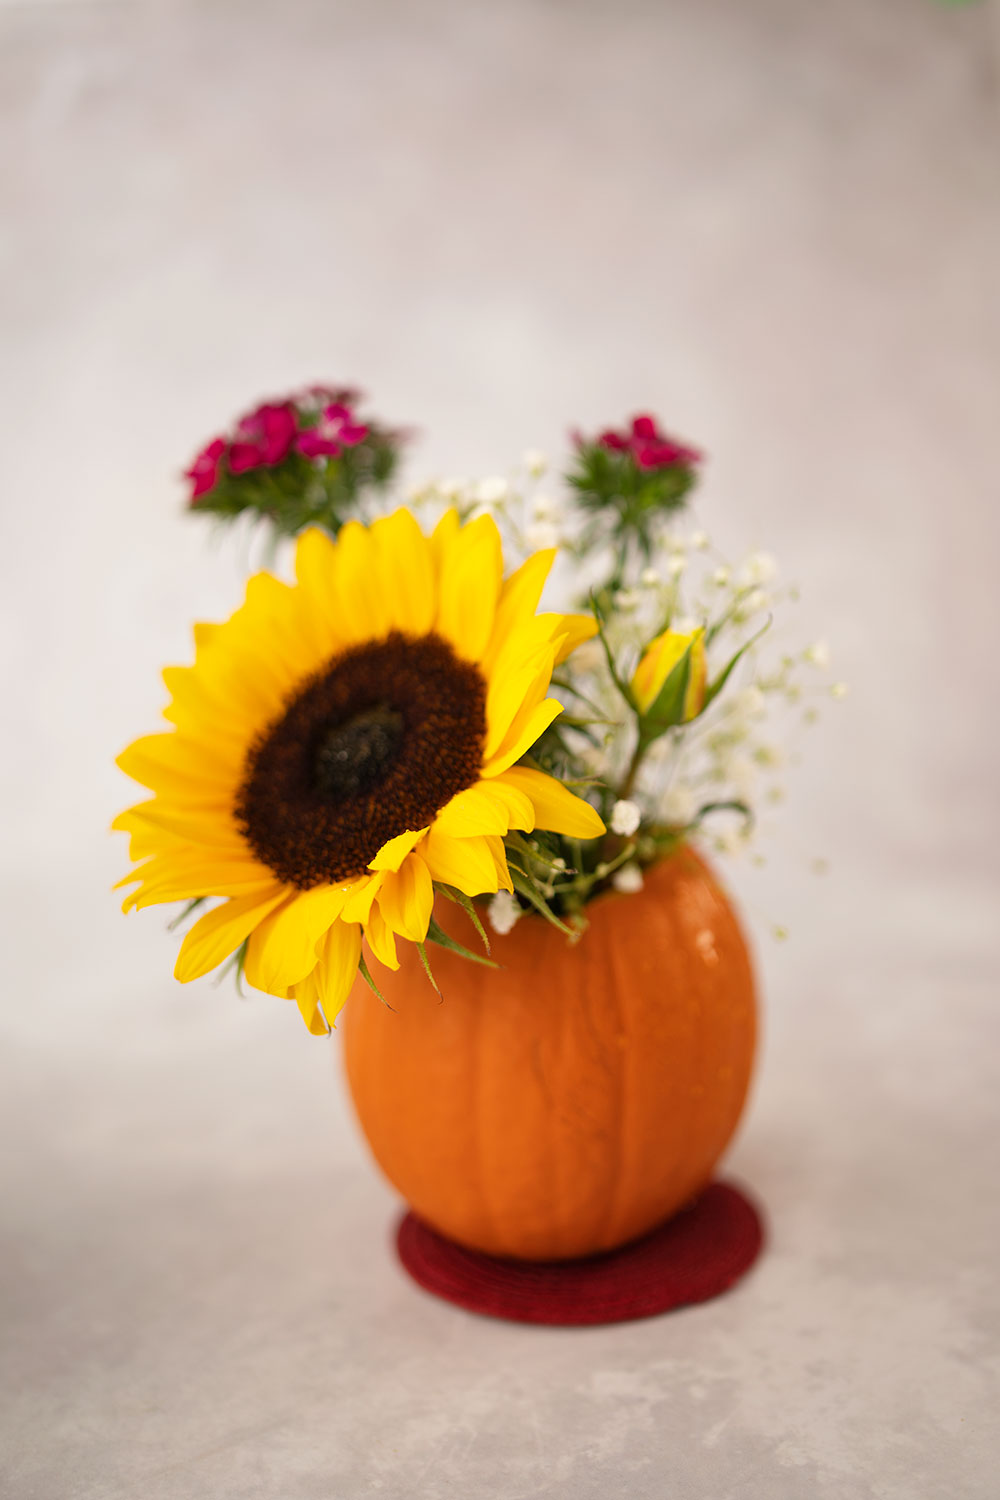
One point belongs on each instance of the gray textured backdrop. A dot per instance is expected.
(773, 223)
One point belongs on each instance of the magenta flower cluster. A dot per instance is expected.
(319, 424)
(651, 448)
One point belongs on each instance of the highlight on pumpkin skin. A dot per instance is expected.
(345, 748)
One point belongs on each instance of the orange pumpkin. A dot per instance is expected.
(573, 1099)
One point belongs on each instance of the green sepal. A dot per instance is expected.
(525, 887)
(189, 907)
(667, 708)
(715, 688)
(618, 681)
(422, 950)
(365, 973)
(515, 840)
(437, 934)
(462, 900)
(236, 961)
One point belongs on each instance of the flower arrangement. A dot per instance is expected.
(402, 727)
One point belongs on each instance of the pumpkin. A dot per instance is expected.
(577, 1096)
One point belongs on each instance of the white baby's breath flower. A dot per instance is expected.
(588, 657)
(741, 773)
(535, 462)
(503, 911)
(699, 540)
(683, 624)
(720, 577)
(628, 600)
(839, 690)
(625, 818)
(542, 534)
(772, 757)
(760, 567)
(750, 701)
(452, 488)
(649, 578)
(492, 490)
(818, 654)
(755, 601)
(545, 507)
(679, 804)
(628, 879)
(730, 841)
(676, 564)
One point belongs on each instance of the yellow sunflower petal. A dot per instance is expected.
(556, 807)
(305, 996)
(169, 762)
(201, 713)
(520, 681)
(321, 995)
(381, 939)
(211, 828)
(315, 570)
(441, 539)
(498, 853)
(362, 609)
(466, 864)
(405, 572)
(406, 899)
(392, 854)
(284, 948)
(472, 572)
(574, 630)
(205, 632)
(221, 931)
(472, 811)
(182, 873)
(522, 735)
(518, 807)
(518, 600)
(361, 894)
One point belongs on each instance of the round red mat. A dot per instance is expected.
(697, 1254)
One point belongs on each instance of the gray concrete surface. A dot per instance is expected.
(775, 224)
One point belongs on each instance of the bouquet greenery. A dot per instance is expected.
(401, 724)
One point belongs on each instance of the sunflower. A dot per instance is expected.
(342, 744)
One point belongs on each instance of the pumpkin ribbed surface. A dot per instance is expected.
(573, 1099)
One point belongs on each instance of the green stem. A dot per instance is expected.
(631, 775)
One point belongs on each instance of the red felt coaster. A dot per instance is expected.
(694, 1256)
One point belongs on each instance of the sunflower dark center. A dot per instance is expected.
(374, 745)
(354, 757)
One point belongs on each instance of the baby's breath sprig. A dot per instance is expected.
(669, 712)
(669, 720)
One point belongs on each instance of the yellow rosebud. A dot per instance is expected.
(660, 659)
